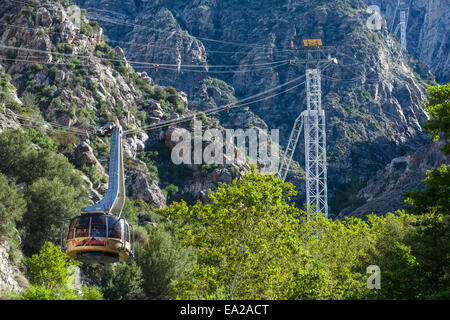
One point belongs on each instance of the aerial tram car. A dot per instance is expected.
(99, 234)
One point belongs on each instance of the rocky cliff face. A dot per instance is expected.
(384, 192)
(373, 98)
(11, 277)
(59, 72)
(428, 32)
(40, 50)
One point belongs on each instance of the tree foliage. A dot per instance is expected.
(438, 105)
(53, 190)
(162, 260)
(436, 194)
(244, 239)
(252, 244)
(49, 268)
(122, 281)
(51, 201)
(12, 207)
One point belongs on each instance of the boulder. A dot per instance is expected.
(139, 187)
(84, 155)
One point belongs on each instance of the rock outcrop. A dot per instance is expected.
(428, 32)
(11, 278)
(67, 76)
(384, 192)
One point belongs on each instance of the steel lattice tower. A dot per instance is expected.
(315, 146)
(403, 29)
(313, 122)
(403, 8)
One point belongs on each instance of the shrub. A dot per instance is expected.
(122, 281)
(49, 91)
(36, 67)
(37, 292)
(162, 259)
(65, 139)
(50, 268)
(170, 192)
(41, 139)
(91, 293)
(30, 100)
(65, 47)
(93, 85)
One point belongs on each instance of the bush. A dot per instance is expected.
(41, 139)
(93, 85)
(91, 293)
(162, 259)
(122, 281)
(65, 47)
(50, 201)
(30, 100)
(49, 269)
(13, 149)
(36, 292)
(170, 192)
(86, 29)
(49, 91)
(159, 93)
(65, 139)
(36, 67)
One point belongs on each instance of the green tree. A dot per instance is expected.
(245, 239)
(438, 105)
(432, 243)
(162, 260)
(431, 247)
(12, 208)
(311, 281)
(401, 279)
(91, 293)
(49, 202)
(122, 281)
(37, 292)
(436, 194)
(49, 268)
(13, 148)
(41, 139)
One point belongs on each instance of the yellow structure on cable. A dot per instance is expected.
(312, 42)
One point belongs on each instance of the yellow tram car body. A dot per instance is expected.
(98, 238)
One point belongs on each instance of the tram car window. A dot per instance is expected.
(98, 226)
(115, 228)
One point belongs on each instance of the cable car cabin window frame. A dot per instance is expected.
(102, 224)
(74, 227)
(110, 230)
(128, 234)
(71, 230)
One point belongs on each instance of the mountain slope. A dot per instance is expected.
(373, 98)
(428, 32)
